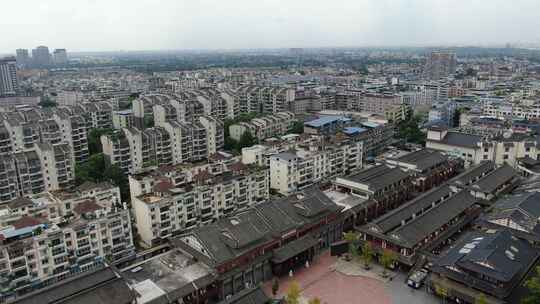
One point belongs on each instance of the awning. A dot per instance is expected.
(294, 248)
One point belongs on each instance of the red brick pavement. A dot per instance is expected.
(320, 280)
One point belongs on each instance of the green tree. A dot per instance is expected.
(94, 139)
(367, 254)
(293, 294)
(533, 284)
(409, 130)
(352, 238)
(314, 301)
(246, 140)
(275, 287)
(297, 128)
(441, 291)
(96, 170)
(481, 299)
(387, 259)
(47, 102)
(230, 144)
(148, 121)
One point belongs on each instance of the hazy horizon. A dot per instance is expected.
(144, 25)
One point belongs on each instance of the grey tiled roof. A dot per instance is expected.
(461, 140)
(422, 226)
(496, 255)
(378, 177)
(102, 286)
(495, 179)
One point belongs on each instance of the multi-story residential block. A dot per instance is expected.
(51, 236)
(168, 204)
(293, 171)
(443, 113)
(506, 110)
(60, 57)
(440, 64)
(151, 147)
(116, 150)
(98, 115)
(474, 148)
(22, 57)
(9, 85)
(74, 132)
(123, 119)
(263, 127)
(69, 98)
(263, 99)
(57, 166)
(41, 56)
(215, 137)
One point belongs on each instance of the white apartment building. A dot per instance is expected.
(474, 149)
(49, 237)
(263, 99)
(172, 203)
(504, 110)
(290, 172)
(57, 165)
(264, 127)
(151, 147)
(46, 168)
(69, 98)
(215, 137)
(123, 119)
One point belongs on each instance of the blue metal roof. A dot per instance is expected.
(370, 124)
(353, 130)
(324, 120)
(9, 233)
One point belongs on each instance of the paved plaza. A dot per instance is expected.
(335, 282)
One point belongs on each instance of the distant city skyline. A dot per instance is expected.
(101, 25)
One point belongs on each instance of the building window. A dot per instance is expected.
(505, 156)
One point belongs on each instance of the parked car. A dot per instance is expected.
(417, 278)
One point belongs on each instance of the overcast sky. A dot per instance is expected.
(99, 25)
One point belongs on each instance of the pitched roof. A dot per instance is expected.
(495, 179)
(26, 221)
(422, 226)
(87, 207)
(423, 159)
(496, 255)
(378, 177)
(101, 286)
(461, 140)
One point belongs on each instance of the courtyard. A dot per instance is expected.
(336, 282)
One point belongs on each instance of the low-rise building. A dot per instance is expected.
(269, 239)
(492, 263)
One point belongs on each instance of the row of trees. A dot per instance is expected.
(387, 258)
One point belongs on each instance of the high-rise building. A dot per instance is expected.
(8, 77)
(440, 64)
(41, 56)
(60, 56)
(23, 59)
